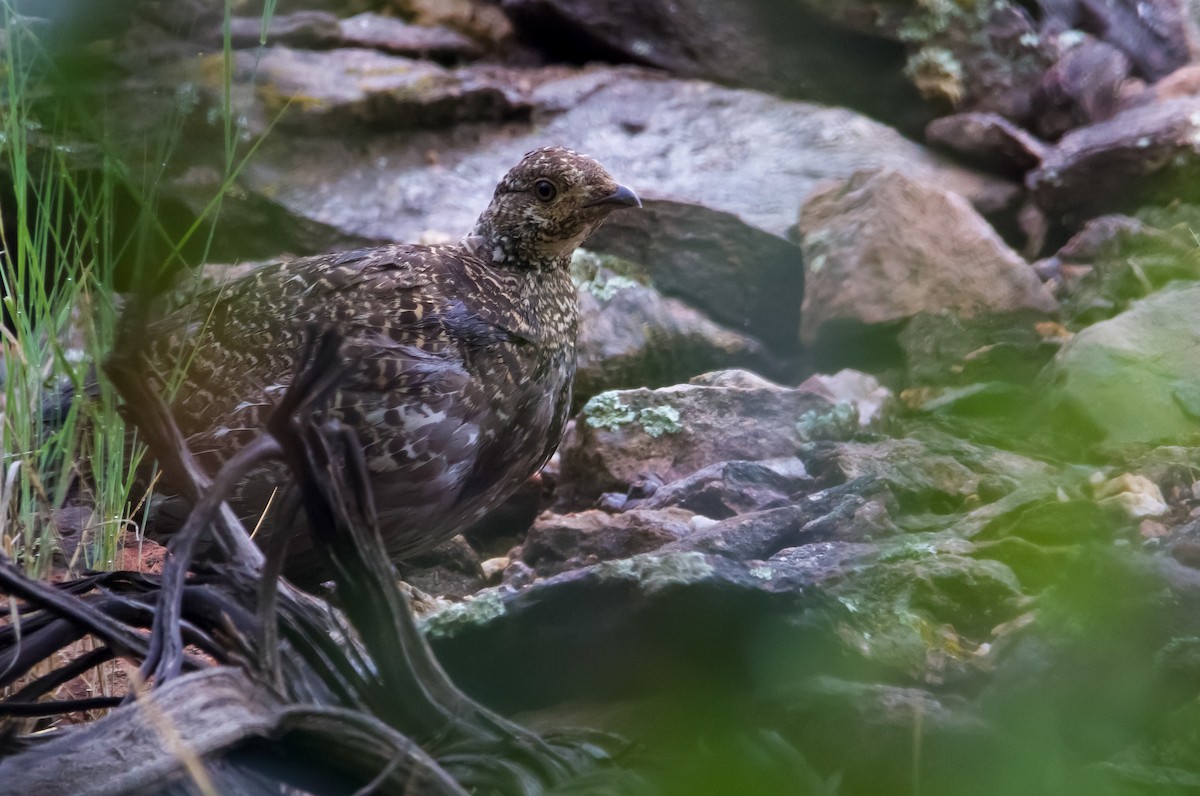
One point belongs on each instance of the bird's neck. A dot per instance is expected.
(506, 250)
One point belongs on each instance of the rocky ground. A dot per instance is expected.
(884, 472)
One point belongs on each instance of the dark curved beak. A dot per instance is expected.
(622, 197)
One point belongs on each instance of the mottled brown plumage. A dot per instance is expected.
(460, 357)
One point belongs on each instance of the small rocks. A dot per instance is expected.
(881, 247)
(862, 391)
(726, 489)
(1136, 494)
(933, 472)
(452, 569)
(558, 543)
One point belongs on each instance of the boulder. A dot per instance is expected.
(630, 335)
(747, 280)
(311, 29)
(880, 247)
(1143, 154)
(674, 431)
(1135, 378)
(895, 609)
(738, 152)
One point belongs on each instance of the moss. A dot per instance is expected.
(604, 275)
(840, 423)
(452, 620)
(659, 420)
(604, 288)
(606, 411)
(655, 571)
(931, 18)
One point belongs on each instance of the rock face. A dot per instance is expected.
(622, 436)
(1136, 377)
(881, 247)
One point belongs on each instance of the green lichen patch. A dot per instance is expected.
(606, 411)
(603, 275)
(476, 612)
(656, 571)
(840, 422)
(659, 420)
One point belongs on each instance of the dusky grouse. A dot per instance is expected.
(460, 357)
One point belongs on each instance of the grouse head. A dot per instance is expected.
(544, 208)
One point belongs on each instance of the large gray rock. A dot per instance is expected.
(881, 247)
(630, 335)
(621, 436)
(747, 280)
(1136, 377)
(723, 172)
(738, 152)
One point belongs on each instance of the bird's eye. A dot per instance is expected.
(544, 190)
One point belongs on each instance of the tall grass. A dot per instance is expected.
(56, 273)
(73, 469)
